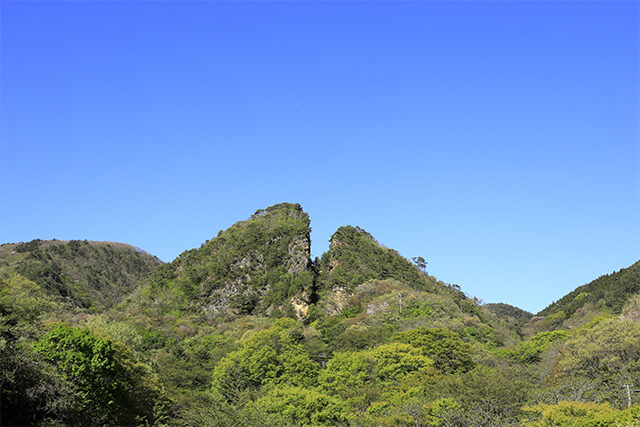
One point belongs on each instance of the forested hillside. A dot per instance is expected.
(248, 330)
(606, 294)
(85, 274)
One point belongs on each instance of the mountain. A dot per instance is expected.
(256, 266)
(85, 274)
(248, 330)
(606, 294)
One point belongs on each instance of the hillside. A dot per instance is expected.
(84, 274)
(606, 294)
(247, 330)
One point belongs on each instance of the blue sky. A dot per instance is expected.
(499, 140)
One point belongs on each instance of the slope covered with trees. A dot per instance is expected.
(92, 275)
(247, 330)
(606, 294)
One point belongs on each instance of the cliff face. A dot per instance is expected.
(256, 266)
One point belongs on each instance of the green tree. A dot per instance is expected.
(112, 387)
(420, 263)
(448, 351)
(271, 356)
(290, 405)
(602, 357)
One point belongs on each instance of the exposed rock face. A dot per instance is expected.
(257, 265)
(299, 255)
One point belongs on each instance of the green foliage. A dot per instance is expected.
(508, 311)
(359, 337)
(609, 292)
(610, 346)
(271, 356)
(112, 387)
(394, 361)
(253, 266)
(290, 405)
(448, 351)
(86, 274)
(489, 396)
(382, 343)
(347, 372)
(580, 414)
(417, 309)
(355, 257)
(530, 351)
(596, 361)
(439, 412)
(32, 392)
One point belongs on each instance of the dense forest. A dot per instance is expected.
(249, 330)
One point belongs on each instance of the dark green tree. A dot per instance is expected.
(420, 263)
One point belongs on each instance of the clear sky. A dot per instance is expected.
(499, 140)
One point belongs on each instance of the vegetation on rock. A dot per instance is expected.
(247, 330)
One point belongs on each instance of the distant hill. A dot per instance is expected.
(85, 274)
(511, 318)
(607, 294)
(508, 311)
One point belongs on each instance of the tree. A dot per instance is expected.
(271, 356)
(113, 388)
(445, 348)
(289, 405)
(420, 263)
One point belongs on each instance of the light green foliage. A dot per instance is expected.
(580, 414)
(394, 361)
(448, 351)
(530, 351)
(491, 395)
(271, 356)
(112, 387)
(610, 346)
(598, 360)
(348, 371)
(439, 412)
(417, 309)
(22, 303)
(290, 405)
